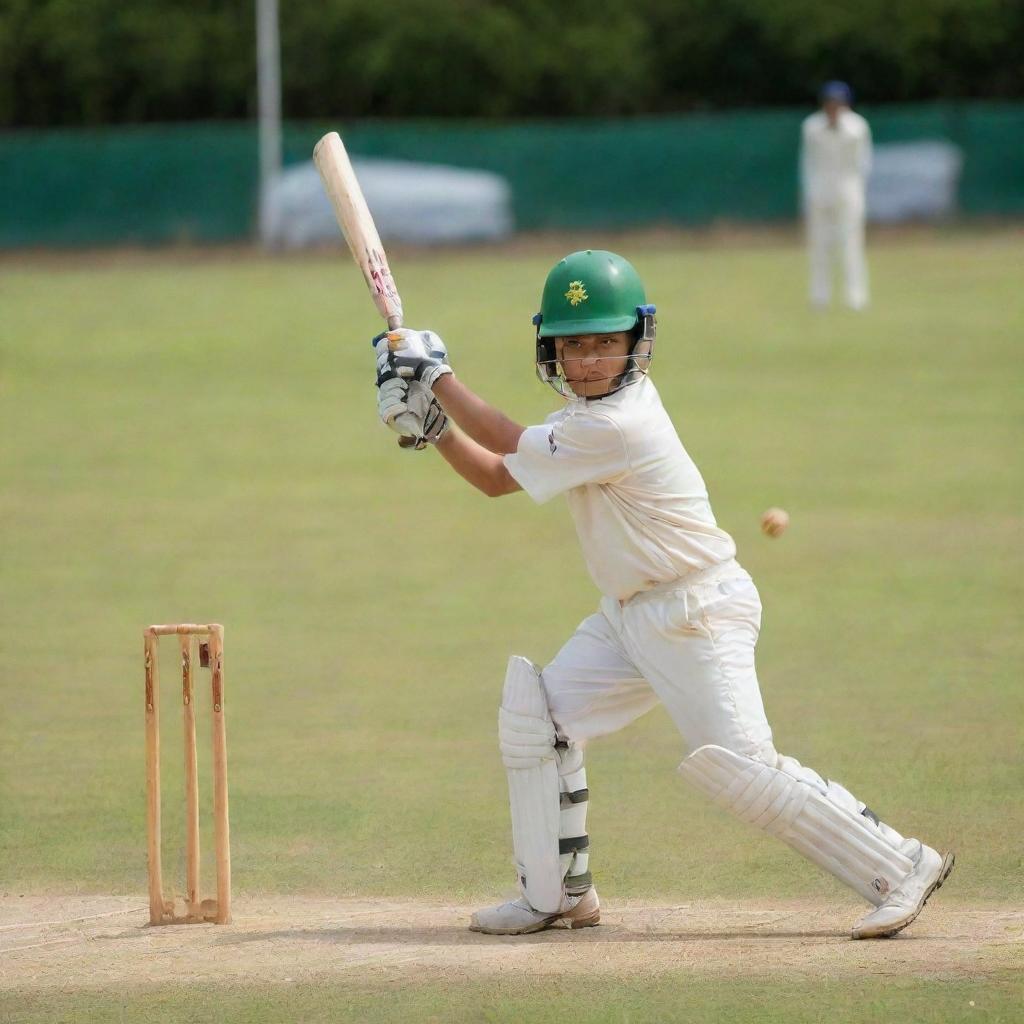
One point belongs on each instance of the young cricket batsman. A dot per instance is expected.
(678, 619)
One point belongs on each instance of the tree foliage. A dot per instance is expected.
(65, 62)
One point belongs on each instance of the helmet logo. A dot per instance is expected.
(577, 293)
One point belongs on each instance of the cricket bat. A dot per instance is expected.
(356, 223)
(357, 226)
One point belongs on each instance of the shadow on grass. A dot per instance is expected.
(462, 936)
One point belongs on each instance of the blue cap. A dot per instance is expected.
(836, 90)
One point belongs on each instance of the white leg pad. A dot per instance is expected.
(527, 737)
(573, 841)
(820, 820)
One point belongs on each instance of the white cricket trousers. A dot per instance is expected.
(689, 646)
(835, 234)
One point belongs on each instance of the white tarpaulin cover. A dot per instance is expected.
(914, 181)
(410, 202)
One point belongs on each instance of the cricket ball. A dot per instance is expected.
(774, 521)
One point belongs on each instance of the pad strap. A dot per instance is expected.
(573, 843)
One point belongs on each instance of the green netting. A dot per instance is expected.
(158, 183)
(198, 182)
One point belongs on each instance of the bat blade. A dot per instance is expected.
(357, 226)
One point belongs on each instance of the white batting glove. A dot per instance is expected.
(416, 355)
(434, 421)
(393, 408)
(411, 409)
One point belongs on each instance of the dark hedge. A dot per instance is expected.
(86, 62)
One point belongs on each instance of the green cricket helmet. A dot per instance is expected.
(593, 292)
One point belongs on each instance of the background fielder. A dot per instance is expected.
(678, 621)
(835, 160)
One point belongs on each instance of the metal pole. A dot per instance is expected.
(268, 63)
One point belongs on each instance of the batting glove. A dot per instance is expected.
(412, 355)
(410, 409)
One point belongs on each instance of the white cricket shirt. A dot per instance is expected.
(834, 161)
(638, 501)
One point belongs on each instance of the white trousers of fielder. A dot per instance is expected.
(835, 239)
(690, 646)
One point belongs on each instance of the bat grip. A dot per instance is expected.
(394, 322)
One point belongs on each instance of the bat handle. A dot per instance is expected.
(394, 322)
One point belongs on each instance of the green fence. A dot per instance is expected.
(198, 182)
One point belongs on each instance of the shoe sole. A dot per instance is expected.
(944, 872)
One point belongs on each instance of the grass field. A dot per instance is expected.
(196, 440)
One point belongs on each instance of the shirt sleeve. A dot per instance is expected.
(865, 152)
(805, 162)
(553, 458)
(808, 159)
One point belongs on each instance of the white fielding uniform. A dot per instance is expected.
(834, 167)
(678, 624)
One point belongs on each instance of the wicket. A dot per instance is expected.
(211, 655)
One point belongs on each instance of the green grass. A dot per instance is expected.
(199, 442)
(503, 1000)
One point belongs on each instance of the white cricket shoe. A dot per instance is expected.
(907, 900)
(517, 917)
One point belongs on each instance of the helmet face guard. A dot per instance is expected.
(644, 329)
